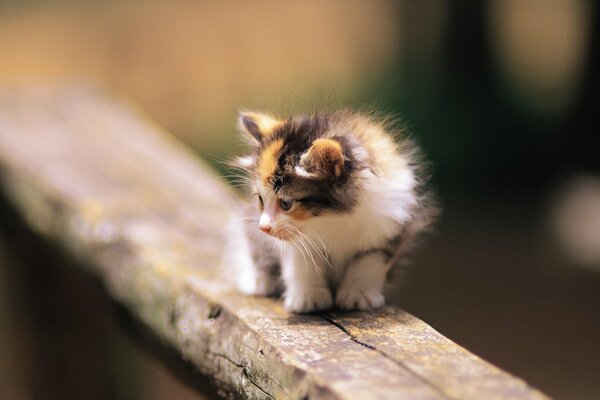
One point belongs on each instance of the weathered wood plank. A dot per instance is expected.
(88, 172)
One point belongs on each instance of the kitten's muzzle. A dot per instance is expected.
(265, 223)
(279, 233)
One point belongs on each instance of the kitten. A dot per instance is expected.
(338, 203)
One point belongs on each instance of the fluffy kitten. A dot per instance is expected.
(338, 202)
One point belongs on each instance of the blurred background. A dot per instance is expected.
(502, 95)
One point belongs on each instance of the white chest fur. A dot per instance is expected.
(386, 203)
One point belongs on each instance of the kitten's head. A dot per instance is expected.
(300, 169)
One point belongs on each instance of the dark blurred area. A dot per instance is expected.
(502, 95)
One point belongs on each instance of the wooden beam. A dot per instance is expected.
(90, 173)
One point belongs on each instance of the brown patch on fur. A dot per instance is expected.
(267, 163)
(300, 213)
(325, 156)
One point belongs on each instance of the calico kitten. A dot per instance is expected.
(338, 203)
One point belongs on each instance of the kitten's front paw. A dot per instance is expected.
(356, 299)
(307, 301)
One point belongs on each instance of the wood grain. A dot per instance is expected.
(87, 171)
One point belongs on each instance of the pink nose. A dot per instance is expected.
(265, 228)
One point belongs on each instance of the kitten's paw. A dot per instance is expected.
(257, 285)
(307, 301)
(356, 299)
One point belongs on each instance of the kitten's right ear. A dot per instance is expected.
(323, 160)
(256, 126)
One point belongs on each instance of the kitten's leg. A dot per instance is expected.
(306, 286)
(362, 285)
(254, 259)
(258, 281)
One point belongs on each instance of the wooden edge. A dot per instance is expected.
(88, 172)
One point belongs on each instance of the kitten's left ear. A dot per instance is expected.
(257, 126)
(324, 159)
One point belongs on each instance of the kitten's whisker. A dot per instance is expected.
(237, 176)
(319, 251)
(299, 243)
(309, 253)
(322, 256)
(293, 241)
(307, 248)
(245, 219)
(242, 186)
(241, 169)
(240, 180)
(322, 250)
(317, 235)
(303, 237)
(314, 246)
(269, 198)
(312, 258)
(300, 250)
(237, 183)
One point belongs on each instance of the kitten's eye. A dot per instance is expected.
(286, 204)
(261, 203)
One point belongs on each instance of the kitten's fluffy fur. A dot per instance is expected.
(338, 201)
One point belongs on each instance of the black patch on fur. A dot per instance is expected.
(298, 134)
(329, 193)
(277, 183)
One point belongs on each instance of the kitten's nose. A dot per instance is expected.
(265, 223)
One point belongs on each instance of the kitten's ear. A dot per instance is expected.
(257, 126)
(324, 159)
